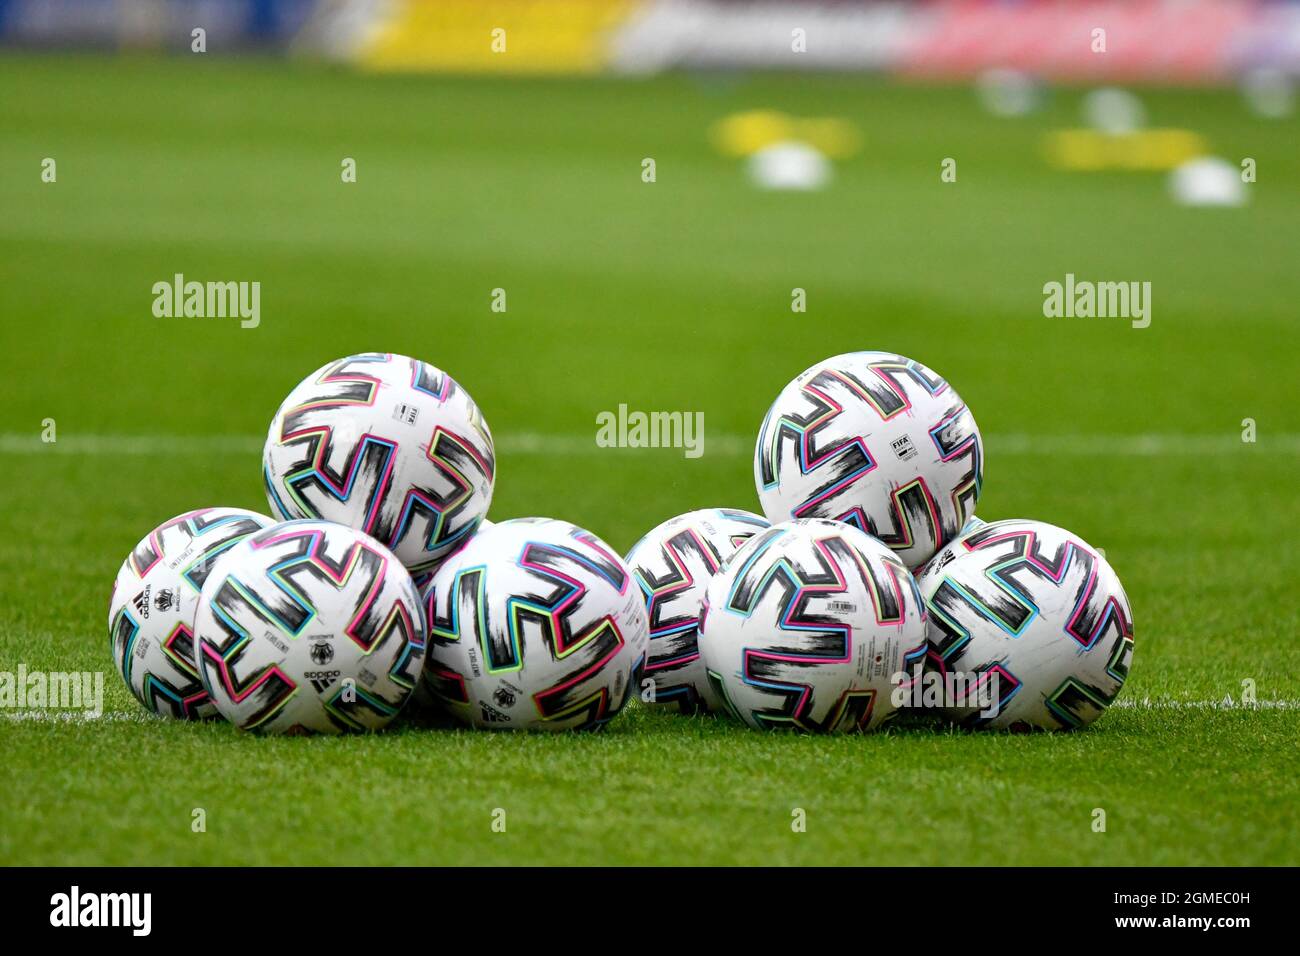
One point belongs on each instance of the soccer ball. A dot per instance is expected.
(386, 444)
(423, 707)
(309, 626)
(812, 624)
(876, 440)
(422, 580)
(673, 564)
(535, 624)
(155, 596)
(1029, 624)
(950, 550)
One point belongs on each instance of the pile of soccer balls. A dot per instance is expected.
(381, 587)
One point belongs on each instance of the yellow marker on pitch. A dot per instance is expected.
(1148, 150)
(743, 134)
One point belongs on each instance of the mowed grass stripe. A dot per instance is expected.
(537, 443)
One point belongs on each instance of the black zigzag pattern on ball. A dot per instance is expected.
(886, 589)
(453, 460)
(239, 528)
(268, 687)
(192, 527)
(585, 651)
(568, 694)
(888, 401)
(1076, 702)
(334, 388)
(853, 712)
(791, 581)
(561, 566)
(429, 379)
(365, 468)
(1006, 594)
(949, 605)
(913, 513)
(958, 430)
(307, 566)
(842, 457)
(123, 629)
(1035, 565)
(466, 614)
(165, 697)
(606, 565)
(700, 559)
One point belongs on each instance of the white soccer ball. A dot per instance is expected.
(950, 550)
(673, 564)
(423, 707)
(155, 597)
(1269, 92)
(309, 626)
(536, 625)
(812, 624)
(1008, 92)
(1030, 624)
(789, 165)
(422, 580)
(877, 440)
(386, 444)
(1207, 181)
(1113, 111)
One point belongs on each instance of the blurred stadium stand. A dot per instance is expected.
(152, 24)
(1178, 41)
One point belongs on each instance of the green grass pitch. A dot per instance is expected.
(667, 296)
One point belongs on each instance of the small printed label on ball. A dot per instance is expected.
(882, 658)
(322, 680)
(903, 449)
(405, 413)
(141, 601)
(504, 696)
(490, 714)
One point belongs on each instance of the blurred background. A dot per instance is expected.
(1170, 41)
(684, 203)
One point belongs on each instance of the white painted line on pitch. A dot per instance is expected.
(535, 443)
(1227, 703)
(1146, 703)
(79, 716)
(129, 445)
